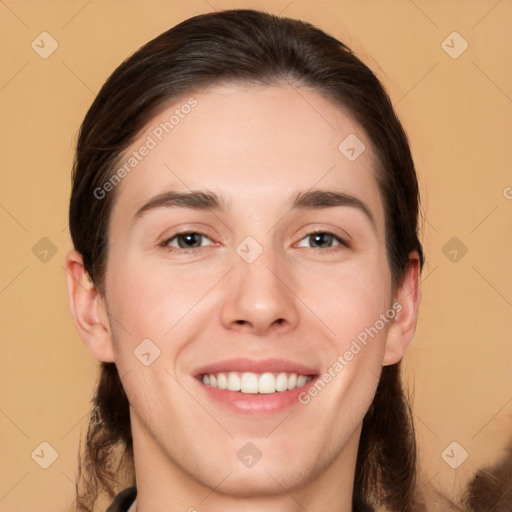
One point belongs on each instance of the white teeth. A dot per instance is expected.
(222, 381)
(248, 382)
(234, 383)
(292, 381)
(282, 382)
(267, 384)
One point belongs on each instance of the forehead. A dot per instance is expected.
(250, 143)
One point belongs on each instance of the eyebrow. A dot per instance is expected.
(318, 199)
(207, 200)
(195, 199)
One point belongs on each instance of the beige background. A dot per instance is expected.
(457, 112)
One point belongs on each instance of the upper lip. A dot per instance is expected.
(255, 366)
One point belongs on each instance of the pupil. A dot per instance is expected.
(320, 239)
(190, 240)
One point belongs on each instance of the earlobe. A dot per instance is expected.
(88, 309)
(406, 305)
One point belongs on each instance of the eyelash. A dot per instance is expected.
(343, 244)
(341, 241)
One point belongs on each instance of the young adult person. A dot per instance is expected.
(246, 267)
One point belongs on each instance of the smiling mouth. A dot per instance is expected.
(255, 383)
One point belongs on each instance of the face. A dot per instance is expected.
(248, 289)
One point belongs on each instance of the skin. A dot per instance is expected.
(257, 148)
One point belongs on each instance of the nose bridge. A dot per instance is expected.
(260, 293)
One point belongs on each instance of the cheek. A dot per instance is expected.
(150, 301)
(347, 299)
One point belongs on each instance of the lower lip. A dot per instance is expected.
(257, 404)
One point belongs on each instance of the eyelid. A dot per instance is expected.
(176, 235)
(338, 246)
(185, 231)
(343, 238)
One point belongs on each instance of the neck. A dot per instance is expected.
(164, 485)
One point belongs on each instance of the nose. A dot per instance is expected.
(259, 298)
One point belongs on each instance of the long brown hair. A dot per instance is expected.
(245, 46)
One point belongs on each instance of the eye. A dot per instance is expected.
(188, 240)
(322, 240)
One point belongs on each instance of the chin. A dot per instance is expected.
(264, 481)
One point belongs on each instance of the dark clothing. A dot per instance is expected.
(123, 500)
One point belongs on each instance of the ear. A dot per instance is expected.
(406, 304)
(89, 309)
